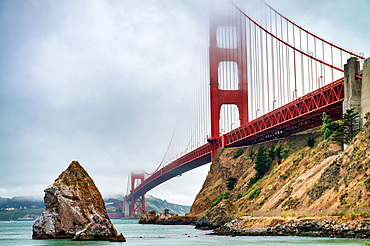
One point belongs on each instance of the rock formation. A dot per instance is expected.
(309, 226)
(222, 213)
(300, 178)
(152, 217)
(74, 208)
(301, 181)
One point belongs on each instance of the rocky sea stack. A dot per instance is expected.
(74, 208)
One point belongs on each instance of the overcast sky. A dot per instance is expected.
(101, 82)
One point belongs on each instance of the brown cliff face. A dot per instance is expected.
(304, 178)
(74, 208)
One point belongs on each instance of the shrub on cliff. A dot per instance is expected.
(310, 142)
(272, 153)
(238, 153)
(221, 197)
(326, 126)
(255, 193)
(231, 182)
(278, 151)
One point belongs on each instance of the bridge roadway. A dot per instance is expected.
(299, 115)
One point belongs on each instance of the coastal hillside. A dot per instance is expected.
(151, 203)
(298, 177)
(20, 208)
(159, 205)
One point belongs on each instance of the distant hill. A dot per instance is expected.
(20, 208)
(21, 202)
(151, 203)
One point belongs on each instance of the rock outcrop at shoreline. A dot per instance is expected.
(74, 208)
(152, 217)
(314, 227)
(222, 213)
(305, 174)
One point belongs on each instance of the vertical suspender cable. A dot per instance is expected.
(262, 77)
(288, 64)
(251, 71)
(295, 71)
(308, 67)
(302, 68)
(332, 63)
(273, 61)
(323, 58)
(278, 44)
(282, 62)
(267, 67)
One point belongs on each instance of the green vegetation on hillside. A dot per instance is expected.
(264, 160)
(238, 153)
(159, 205)
(24, 214)
(221, 197)
(20, 207)
(299, 172)
(151, 203)
(231, 182)
(348, 127)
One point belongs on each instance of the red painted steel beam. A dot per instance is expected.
(194, 159)
(305, 109)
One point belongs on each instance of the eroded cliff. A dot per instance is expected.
(300, 178)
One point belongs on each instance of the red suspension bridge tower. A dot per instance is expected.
(137, 202)
(228, 50)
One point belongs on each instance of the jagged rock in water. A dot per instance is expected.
(74, 208)
(224, 212)
(152, 217)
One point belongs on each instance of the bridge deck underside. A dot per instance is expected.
(299, 115)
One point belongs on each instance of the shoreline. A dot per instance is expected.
(333, 227)
(320, 226)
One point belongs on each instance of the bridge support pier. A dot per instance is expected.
(365, 93)
(352, 85)
(356, 90)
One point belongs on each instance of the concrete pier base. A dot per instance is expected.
(352, 85)
(365, 93)
(356, 90)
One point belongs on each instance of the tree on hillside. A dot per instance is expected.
(326, 125)
(262, 161)
(278, 151)
(231, 182)
(272, 153)
(311, 142)
(351, 124)
(338, 135)
(348, 127)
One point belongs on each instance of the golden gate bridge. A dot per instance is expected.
(260, 76)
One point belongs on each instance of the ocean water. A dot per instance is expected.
(20, 233)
